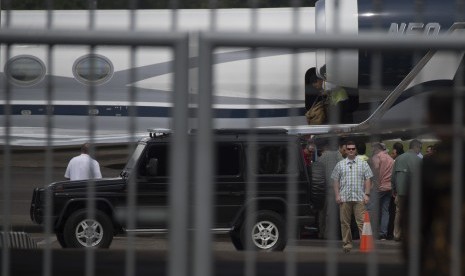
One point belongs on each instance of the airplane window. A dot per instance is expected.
(93, 69)
(25, 70)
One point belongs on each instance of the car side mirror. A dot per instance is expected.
(152, 167)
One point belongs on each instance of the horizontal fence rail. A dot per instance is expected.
(90, 37)
(369, 41)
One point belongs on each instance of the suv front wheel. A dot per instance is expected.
(80, 231)
(267, 233)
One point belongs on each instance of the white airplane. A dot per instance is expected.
(25, 68)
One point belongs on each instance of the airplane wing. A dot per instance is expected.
(386, 132)
(315, 129)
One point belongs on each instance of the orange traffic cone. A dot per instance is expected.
(366, 242)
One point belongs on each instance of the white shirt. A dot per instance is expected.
(83, 167)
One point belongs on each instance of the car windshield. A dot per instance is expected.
(135, 156)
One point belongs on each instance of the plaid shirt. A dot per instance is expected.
(351, 175)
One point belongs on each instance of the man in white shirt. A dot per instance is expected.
(83, 166)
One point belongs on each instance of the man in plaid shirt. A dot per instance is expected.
(352, 186)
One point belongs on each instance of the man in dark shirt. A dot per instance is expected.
(441, 177)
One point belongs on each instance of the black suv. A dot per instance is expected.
(148, 169)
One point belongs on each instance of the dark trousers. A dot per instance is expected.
(392, 215)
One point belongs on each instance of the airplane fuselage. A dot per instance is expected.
(145, 80)
(243, 80)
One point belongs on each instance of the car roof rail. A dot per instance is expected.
(157, 132)
(236, 131)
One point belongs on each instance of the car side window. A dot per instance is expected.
(228, 159)
(159, 152)
(273, 159)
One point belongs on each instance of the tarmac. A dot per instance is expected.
(75, 262)
(308, 258)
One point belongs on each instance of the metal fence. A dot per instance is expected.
(192, 254)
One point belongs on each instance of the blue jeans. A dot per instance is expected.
(384, 200)
(380, 220)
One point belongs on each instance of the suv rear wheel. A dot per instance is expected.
(80, 231)
(267, 233)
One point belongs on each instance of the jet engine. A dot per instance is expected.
(353, 68)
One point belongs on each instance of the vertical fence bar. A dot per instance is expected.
(213, 4)
(458, 159)
(6, 256)
(48, 223)
(132, 185)
(332, 258)
(130, 257)
(250, 267)
(252, 158)
(6, 158)
(204, 164)
(6, 174)
(174, 5)
(374, 211)
(416, 180)
(91, 95)
(293, 181)
(179, 164)
(457, 175)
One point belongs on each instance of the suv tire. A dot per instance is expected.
(80, 231)
(268, 232)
